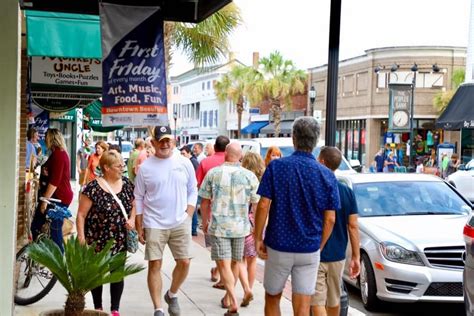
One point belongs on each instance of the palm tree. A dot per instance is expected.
(233, 86)
(276, 80)
(205, 42)
(442, 99)
(81, 269)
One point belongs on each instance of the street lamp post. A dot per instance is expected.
(312, 98)
(414, 68)
(175, 117)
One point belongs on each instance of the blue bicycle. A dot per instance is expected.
(35, 281)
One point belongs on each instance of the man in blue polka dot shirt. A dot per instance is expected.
(299, 197)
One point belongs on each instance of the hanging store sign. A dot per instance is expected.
(61, 84)
(399, 113)
(61, 101)
(69, 116)
(77, 73)
(134, 80)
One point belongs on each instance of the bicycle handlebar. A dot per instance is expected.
(49, 200)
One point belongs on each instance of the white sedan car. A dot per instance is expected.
(463, 180)
(411, 246)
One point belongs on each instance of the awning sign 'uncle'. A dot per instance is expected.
(133, 65)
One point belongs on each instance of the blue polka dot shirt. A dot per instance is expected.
(300, 189)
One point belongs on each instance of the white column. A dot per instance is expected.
(9, 155)
(470, 48)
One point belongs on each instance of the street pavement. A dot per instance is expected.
(196, 296)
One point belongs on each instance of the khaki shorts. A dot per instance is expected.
(328, 284)
(178, 239)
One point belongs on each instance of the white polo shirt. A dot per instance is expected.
(163, 190)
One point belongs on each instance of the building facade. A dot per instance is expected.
(193, 102)
(363, 97)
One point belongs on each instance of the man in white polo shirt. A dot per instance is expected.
(165, 197)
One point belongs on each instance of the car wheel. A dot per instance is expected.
(368, 288)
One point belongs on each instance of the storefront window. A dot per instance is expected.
(467, 145)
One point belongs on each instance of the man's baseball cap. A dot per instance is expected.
(162, 132)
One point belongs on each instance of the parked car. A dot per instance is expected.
(468, 273)
(245, 143)
(463, 180)
(410, 241)
(261, 145)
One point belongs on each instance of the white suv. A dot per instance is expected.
(285, 144)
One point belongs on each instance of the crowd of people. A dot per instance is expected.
(386, 160)
(289, 211)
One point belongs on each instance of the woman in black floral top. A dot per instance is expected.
(100, 217)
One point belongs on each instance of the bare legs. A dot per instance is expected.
(229, 271)
(272, 305)
(247, 278)
(326, 311)
(155, 283)
(301, 304)
(180, 273)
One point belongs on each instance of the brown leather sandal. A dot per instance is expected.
(246, 301)
(223, 304)
(218, 286)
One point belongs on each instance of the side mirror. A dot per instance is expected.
(355, 164)
(462, 167)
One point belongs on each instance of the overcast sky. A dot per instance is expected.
(299, 29)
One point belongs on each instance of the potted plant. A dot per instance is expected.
(81, 269)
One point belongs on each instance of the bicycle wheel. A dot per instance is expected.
(34, 281)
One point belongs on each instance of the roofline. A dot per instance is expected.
(376, 50)
(205, 69)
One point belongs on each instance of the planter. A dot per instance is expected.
(60, 312)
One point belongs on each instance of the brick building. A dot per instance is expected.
(363, 95)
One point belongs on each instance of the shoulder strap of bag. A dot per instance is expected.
(115, 197)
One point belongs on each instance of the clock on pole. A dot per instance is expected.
(400, 119)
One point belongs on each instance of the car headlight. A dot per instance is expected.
(396, 253)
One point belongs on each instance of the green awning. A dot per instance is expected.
(55, 34)
(92, 114)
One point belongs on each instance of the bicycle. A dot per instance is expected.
(34, 280)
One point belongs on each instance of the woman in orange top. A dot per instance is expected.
(272, 153)
(93, 161)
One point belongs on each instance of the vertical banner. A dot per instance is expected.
(399, 111)
(133, 66)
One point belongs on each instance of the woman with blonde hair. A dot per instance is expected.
(93, 162)
(54, 183)
(273, 153)
(248, 269)
(100, 217)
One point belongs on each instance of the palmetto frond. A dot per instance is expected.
(233, 86)
(442, 99)
(81, 269)
(207, 41)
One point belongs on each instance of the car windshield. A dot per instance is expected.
(288, 150)
(126, 147)
(408, 198)
(470, 165)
